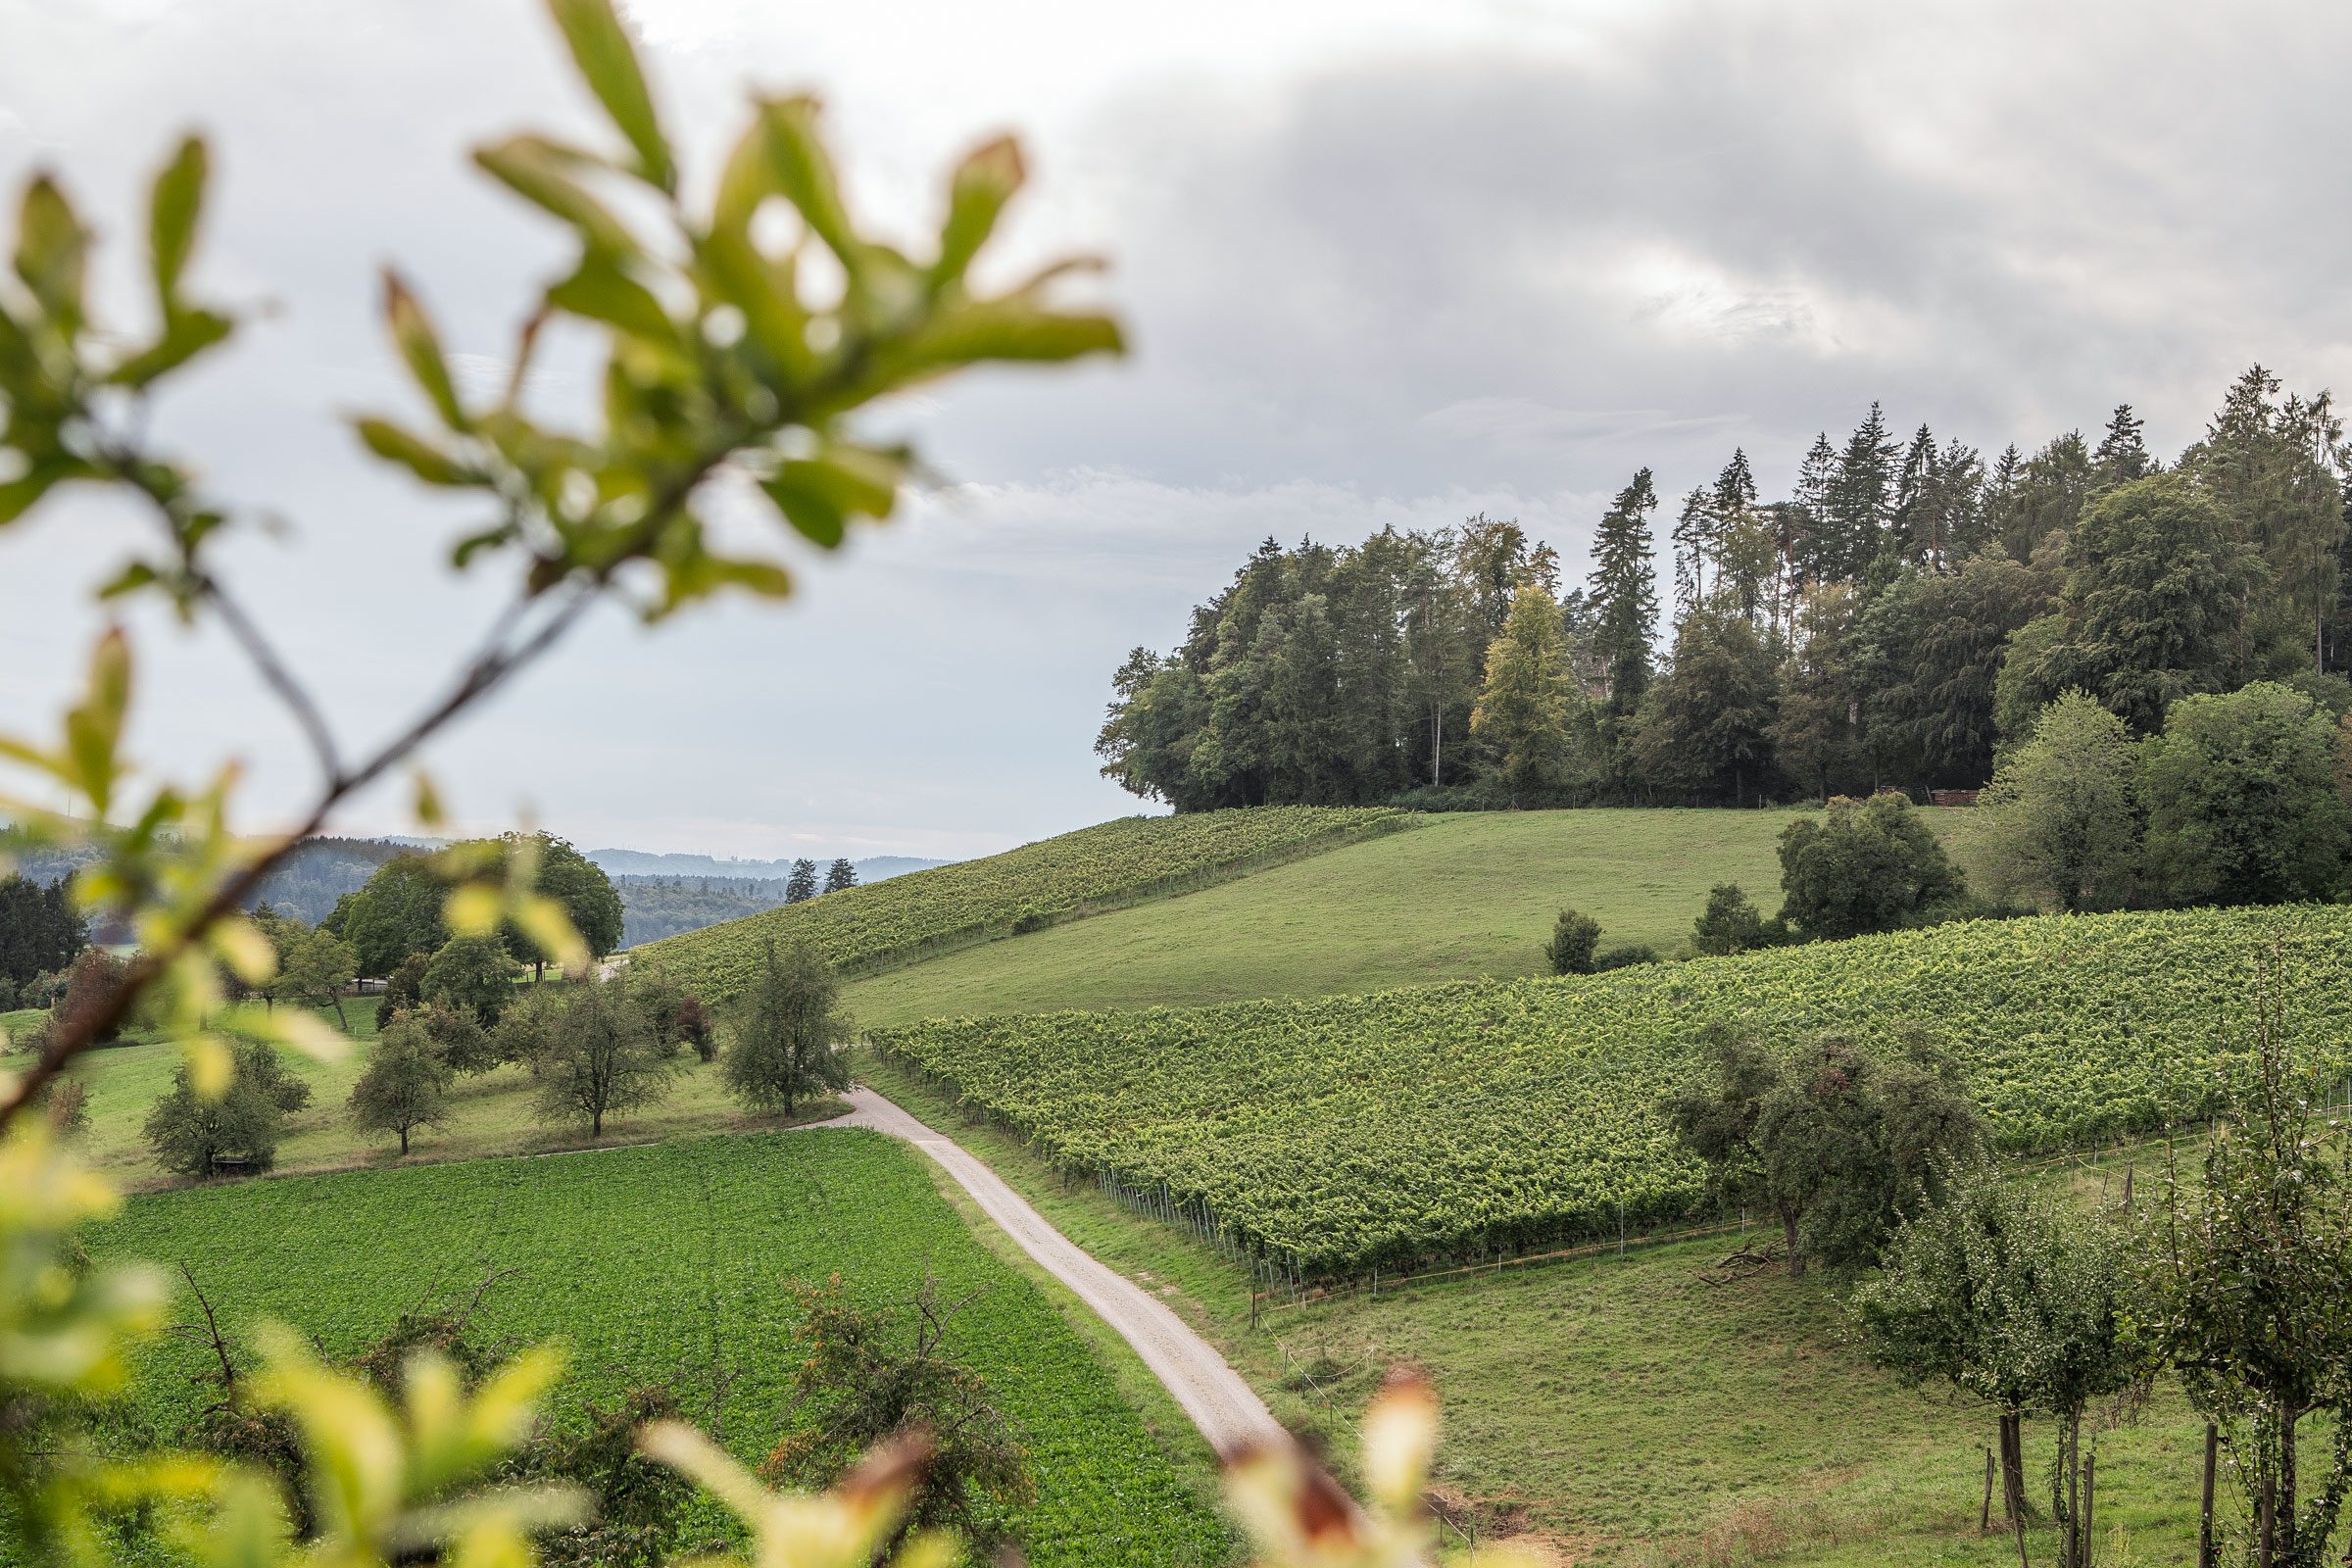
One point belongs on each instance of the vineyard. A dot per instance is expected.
(864, 929)
(1331, 1135)
(674, 1265)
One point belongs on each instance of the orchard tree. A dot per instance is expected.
(1832, 1140)
(1862, 866)
(2019, 1299)
(2061, 819)
(789, 1033)
(800, 886)
(1731, 923)
(473, 974)
(316, 966)
(2250, 1291)
(406, 1085)
(191, 1133)
(2242, 800)
(599, 1056)
(841, 877)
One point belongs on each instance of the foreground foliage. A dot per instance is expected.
(1447, 1121)
(865, 928)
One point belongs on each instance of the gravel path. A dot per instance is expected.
(1223, 1406)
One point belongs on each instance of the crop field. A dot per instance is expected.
(674, 1265)
(1446, 1121)
(1113, 864)
(1464, 897)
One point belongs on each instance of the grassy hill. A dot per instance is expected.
(1461, 897)
(1106, 866)
(1447, 1121)
(674, 1265)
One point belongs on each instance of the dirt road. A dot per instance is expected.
(1213, 1394)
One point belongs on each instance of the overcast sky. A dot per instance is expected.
(1381, 263)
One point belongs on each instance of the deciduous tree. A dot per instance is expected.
(405, 1084)
(788, 1032)
(1862, 866)
(2061, 820)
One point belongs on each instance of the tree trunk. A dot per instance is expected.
(404, 1143)
(538, 970)
(596, 1124)
(2013, 1463)
(336, 997)
(2285, 1510)
(1796, 1258)
(2090, 1507)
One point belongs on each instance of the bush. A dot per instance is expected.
(1862, 866)
(191, 1136)
(1573, 940)
(1626, 957)
(1031, 918)
(1731, 923)
(92, 974)
(697, 1028)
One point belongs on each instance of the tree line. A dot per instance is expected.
(1902, 616)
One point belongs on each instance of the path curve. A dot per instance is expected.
(1226, 1409)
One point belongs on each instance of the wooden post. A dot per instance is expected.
(2213, 1444)
(2090, 1507)
(1984, 1518)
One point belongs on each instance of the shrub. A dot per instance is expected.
(191, 1136)
(1862, 866)
(697, 1027)
(1729, 923)
(1625, 957)
(1573, 939)
(1031, 918)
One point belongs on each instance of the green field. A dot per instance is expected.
(1105, 867)
(1462, 895)
(673, 1264)
(1346, 1132)
(1620, 1411)
(491, 1113)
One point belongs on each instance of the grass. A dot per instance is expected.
(1461, 897)
(1619, 1411)
(674, 1265)
(491, 1115)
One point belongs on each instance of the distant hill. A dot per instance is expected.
(642, 863)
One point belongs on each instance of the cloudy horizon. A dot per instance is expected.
(1381, 265)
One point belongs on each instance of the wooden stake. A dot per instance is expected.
(1984, 1519)
(2213, 1445)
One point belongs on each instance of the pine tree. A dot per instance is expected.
(2121, 455)
(1524, 712)
(1959, 515)
(802, 885)
(840, 876)
(1625, 595)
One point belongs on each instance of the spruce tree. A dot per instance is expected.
(1625, 595)
(841, 877)
(2121, 455)
(1819, 559)
(1918, 488)
(1859, 495)
(802, 886)
(1696, 533)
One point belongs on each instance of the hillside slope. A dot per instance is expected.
(1105, 867)
(1461, 898)
(1451, 1120)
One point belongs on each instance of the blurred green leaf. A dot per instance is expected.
(186, 333)
(172, 211)
(803, 176)
(1014, 327)
(982, 185)
(412, 453)
(52, 251)
(95, 725)
(420, 348)
(540, 172)
(602, 292)
(601, 47)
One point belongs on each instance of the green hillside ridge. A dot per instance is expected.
(1462, 896)
(1113, 864)
(1342, 1131)
(674, 1265)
